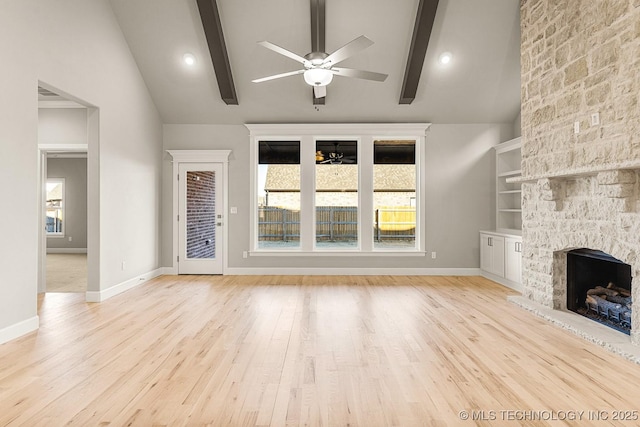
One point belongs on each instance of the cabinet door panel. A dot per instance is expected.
(486, 255)
(492, 254)
(513, 256)
(497, 246)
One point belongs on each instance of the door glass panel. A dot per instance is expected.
(279, 195)
(336, 195)
(394, 194)
(201, 214)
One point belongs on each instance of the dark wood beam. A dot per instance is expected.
(217, 49)
(418, 50)
(318, 26)
(318, 35)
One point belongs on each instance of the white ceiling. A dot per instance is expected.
(481, 85)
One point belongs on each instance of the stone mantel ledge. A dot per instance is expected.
(575, 173)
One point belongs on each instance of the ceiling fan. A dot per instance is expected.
(319, 67)
(335, 157)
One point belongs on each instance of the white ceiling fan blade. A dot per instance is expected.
(277, 76)
(360, 74)
(351, 48)
(285, 52)
(319, 91)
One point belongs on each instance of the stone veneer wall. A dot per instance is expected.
(579, 57)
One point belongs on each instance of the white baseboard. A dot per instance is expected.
(66, 250)
(169, 271)
(17, 330)
(99, 296)
(270, 271)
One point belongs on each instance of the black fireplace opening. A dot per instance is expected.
(599, 287)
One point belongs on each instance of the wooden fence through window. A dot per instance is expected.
(335, 223)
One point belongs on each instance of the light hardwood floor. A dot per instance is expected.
(67, 272)
(312, 350)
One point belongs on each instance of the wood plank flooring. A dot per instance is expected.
(307, 350)
(67, 273)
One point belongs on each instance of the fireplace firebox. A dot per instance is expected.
(599, 287)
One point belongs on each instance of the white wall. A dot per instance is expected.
(62, 126)
(517, 126)
(460, 195)
(77, 47)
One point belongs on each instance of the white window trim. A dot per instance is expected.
(63, 204)
(365, 134)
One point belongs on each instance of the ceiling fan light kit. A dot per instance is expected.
(318, 76)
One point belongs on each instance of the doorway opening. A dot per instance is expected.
(66, 222)
(68, 140)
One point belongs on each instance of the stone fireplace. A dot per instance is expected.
(598, 211)
(581, 210)
(580, 150)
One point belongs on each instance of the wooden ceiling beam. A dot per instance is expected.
(318, 35)
(418, 50)
(217, 49)
(318, 25)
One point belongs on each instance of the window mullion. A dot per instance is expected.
(307, 193)
(365, 192)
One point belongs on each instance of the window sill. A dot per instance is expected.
(354, 253)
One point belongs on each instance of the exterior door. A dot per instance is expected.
(200, 218)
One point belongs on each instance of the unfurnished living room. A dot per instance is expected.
(320, 212)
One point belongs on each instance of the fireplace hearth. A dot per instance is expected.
(599, 288)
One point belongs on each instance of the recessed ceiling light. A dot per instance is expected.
(189, 59)
(445, 58)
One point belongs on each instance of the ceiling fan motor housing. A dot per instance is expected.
(316, 58)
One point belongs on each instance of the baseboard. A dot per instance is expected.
(501, 280)
(66, 250)
(169, 271)
(270, 271)
(99, 296)
(17, 330)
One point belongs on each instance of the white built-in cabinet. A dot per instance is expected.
(501, 250)
(501, 258)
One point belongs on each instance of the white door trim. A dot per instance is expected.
(199, 156)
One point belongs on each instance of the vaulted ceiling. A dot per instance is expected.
(480, 85)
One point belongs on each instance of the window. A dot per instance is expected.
(336, 195)
(394, 194)
(333, 188)
(55, 207)
(278, 197)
